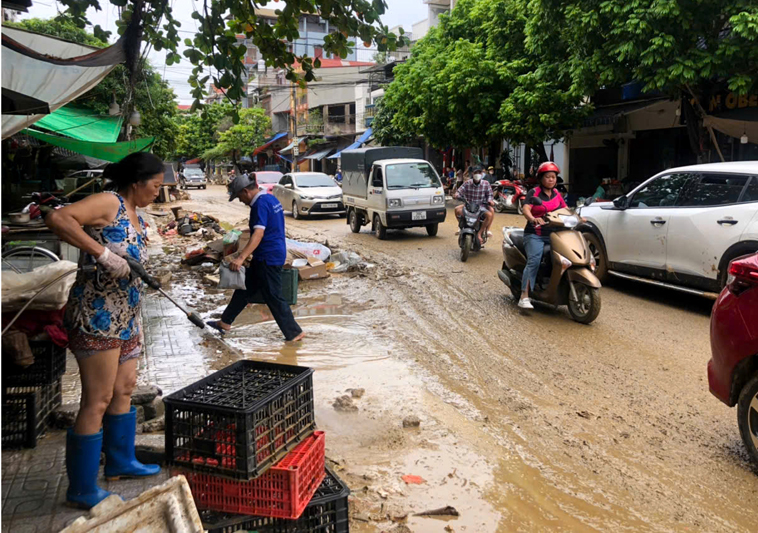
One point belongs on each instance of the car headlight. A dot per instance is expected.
(438, 199)
(303, 197)
(394, 202)
(569, 221)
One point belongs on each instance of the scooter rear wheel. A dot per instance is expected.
(586, 307)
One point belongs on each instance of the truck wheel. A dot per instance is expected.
(598, 252)
(379, 228)
(432, 229)
(355, 221)
(747, 417)
(295, 213)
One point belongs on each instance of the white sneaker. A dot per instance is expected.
(525, 303)
(489, 234)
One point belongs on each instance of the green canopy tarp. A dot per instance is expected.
(112, 152)
(82, 124)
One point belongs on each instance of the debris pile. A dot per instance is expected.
(187, 223)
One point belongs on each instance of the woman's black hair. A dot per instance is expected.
(134, 168)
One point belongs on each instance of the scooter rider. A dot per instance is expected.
(477, 191)
(536, 233)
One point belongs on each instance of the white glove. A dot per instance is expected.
(114, 264)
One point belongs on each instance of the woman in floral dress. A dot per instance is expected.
(104, 324)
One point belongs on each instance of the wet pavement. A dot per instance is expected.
(528, 421)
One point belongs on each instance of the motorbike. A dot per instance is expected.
(566, 274)
(468, 226)
(508, 195)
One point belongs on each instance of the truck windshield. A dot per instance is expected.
(411, 176)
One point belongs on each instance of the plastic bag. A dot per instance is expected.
(17, 289)
(347, 261)
(229, 279)
(232, 236)
(310, 249)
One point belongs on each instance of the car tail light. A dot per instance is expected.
(742, 275)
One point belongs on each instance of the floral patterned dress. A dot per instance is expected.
(111, 311)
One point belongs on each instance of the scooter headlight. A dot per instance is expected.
(569, 221)
(471, 220)
(565, 263)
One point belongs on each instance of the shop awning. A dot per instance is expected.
(609, 114)
(318, 156)
(45, 73)
(82, 124)
(287, 149)
(270, 142)
(280, 156)
(357, 144)
(112, 152)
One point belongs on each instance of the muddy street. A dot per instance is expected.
(529, 421)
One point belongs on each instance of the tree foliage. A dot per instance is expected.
(215, 47)
(198, 134)
(522, 70)
(248, 133)
(156, 100)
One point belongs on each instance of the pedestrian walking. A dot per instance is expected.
(269, 251)
(104, 324)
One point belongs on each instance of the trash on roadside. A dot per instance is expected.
(313, 269)
(413, 480)
(167, 507)
(345, 262)
(229, 279)
(309, 249)
(442, 511)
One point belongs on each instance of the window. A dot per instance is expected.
(411, 175)
(751, 193)
(314, 180)
(712, 189)
(661, 192)
(285, 180)
(377, 180)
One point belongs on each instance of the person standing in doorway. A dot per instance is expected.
(269, 251)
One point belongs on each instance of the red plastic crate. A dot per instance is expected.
(282, 492)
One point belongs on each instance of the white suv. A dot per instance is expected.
(680, 228)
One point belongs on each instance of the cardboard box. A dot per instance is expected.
(315, 269)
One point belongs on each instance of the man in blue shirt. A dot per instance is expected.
(269, 255)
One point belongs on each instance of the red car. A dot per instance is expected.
(267, 179)
(733, 368)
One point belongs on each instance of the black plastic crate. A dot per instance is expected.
(326, 513)
(26, 412)
(241, 420)
(49, 364)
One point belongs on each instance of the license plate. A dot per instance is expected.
(329, 206)
(418, 215)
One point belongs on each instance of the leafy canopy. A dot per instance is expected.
(215, 45)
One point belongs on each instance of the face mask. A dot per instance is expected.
(477, 178)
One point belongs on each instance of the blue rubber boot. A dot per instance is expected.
(118, 445)
(82, 465)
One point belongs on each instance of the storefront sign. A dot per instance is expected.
(719, 103)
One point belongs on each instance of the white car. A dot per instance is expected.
(680, 228)
(309, 193)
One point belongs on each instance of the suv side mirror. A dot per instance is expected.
(621, 202)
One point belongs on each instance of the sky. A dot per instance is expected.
(399, 12)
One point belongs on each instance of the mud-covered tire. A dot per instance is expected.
(432, 230)
(601, 258)
(295, 213)
(355, 221)
(587, 308)
(379, 228)
(747, 417)
(466, 248)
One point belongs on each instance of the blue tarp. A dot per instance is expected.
(271, 140)
(357, 144)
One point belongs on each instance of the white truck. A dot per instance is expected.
(391, 188)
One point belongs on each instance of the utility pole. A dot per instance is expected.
(293, 112)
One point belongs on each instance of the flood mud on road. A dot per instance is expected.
(526, 421)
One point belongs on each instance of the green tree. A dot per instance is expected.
(196, 134)
(156, 100)
(248, 133)
(667, 46)
(215, 47)
(386, 132)
(472, 81)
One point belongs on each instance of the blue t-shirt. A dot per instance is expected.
(267, 213)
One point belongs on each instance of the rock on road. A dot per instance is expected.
(604, 426)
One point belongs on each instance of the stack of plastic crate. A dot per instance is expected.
(31, 394)
(245, 439)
